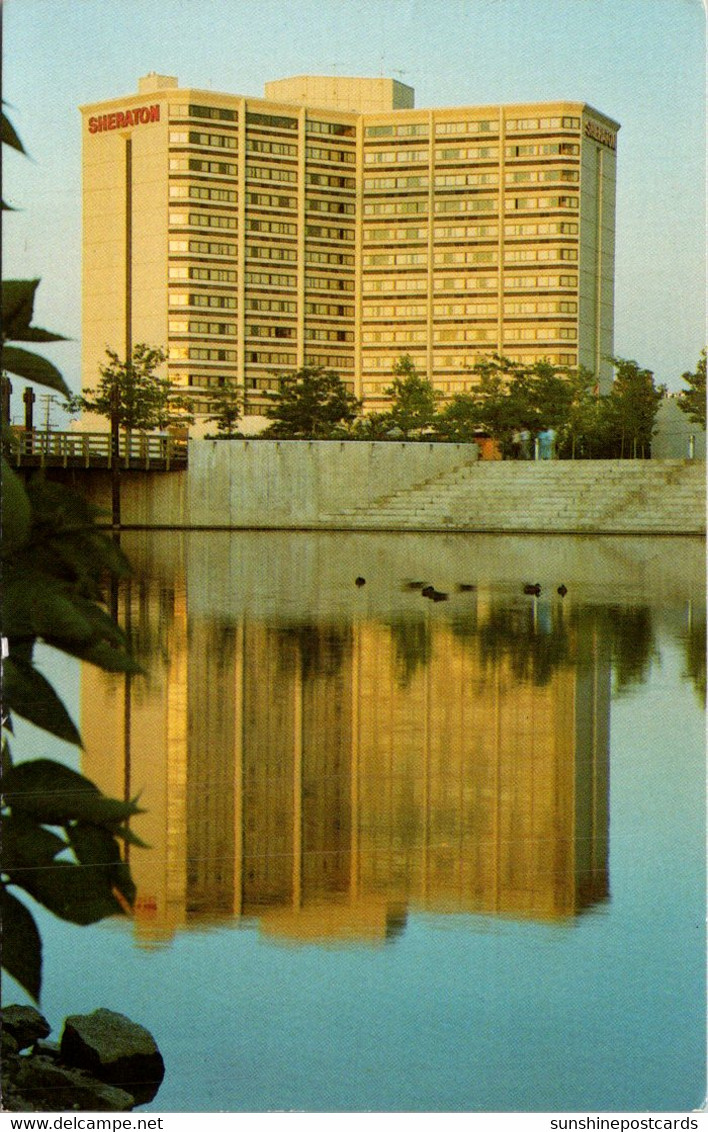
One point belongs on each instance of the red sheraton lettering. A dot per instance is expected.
(122, 119)
(601, 134)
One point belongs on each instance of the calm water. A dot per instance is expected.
(406, 855)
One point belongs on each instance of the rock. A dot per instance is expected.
(115, 1050)
(49, 1087)
(25, 1024)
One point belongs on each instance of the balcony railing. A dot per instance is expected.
(144, 451)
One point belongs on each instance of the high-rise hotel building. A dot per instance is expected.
(334, 224)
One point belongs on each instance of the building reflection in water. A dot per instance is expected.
(325, 780)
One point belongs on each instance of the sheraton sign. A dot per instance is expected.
(122, 119)
(600, 133)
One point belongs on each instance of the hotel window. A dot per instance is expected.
(272, 121)
(210, 274)
(212, 141)
(199, 220)
(336, 129)
(217, 112)
(225, 302)
(209, 248)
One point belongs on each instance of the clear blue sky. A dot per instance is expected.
(643, 62)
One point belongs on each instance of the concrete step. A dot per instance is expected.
(567, 495)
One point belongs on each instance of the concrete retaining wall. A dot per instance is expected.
(290, 485)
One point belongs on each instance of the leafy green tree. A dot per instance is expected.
(312, 403)
(130, 393)
(458, 420)
(499, 402)
(632, 407)
(372, 426)
(693, 400)
(414, 399)
(226, 410)
(61, 835)
(134, 398)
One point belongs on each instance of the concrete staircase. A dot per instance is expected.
(592, 496)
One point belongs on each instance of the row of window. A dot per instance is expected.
(270, 200)
(260, 251)
(280, 149)
(329, 257)
(203, 247)
(339, 207)
(538, 176)
(273, 306)
(537, 255)
(330, 181)
(200, 192)
(333, 129)
(219, 113)
(373, 184)
(269, 279)
(202, 220)
(371, 311)
(201, 354)
(323, 232)
(329, 310)
(398, 130)
(269, 331)
(210, 141)
(274, 227)
(270, 173)
(400, 259)
(396, 156)
(317, 283)
(204, 274)
(193, 326)
(338, 156)
(314, 334)
(215, 302)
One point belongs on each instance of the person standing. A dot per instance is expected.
(547, 444)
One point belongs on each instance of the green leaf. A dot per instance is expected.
(126, 834)
(16, 514)
(103, 655)
(97, 848)
(55, 794)
(27, 845)
(79, 895)
(9, 135)
(21, 944)
(17, 305)
(30, 695)
(33, 367)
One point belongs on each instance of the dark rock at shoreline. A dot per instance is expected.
(25, 1024)
(115, 1050)
(50, 1086)
(50, 1079)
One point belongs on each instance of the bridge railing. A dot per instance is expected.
(93, 449)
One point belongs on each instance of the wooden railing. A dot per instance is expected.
(146, 451)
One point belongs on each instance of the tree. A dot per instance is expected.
(313, 403)
(226, 409)
(61, 835)
(632, 406)
(131, 394)
(414, 398)
(692, 401)
(458, 420)
(500, 403)
(133, 398)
